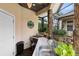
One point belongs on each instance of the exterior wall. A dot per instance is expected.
(26, 32)
(64, 24)
(69, 33)
(22, 16)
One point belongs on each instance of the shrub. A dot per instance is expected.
(64, 49)
(59, 32)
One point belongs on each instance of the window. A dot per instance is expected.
(66, 8)
(69, 27)
(69, 21)
(43, 25)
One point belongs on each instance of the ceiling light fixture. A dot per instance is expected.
(33, 4)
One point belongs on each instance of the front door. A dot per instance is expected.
(6, 34)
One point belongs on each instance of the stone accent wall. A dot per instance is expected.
(50, 23)
(76, 31)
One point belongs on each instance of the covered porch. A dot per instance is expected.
(54, 17)
(41, 29)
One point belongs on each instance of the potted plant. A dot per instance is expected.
(64, 49)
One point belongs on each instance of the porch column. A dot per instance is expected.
(50, 23)
(76, 31)
(60, 24)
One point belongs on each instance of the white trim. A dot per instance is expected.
(8, 13)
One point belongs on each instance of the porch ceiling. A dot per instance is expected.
(37, 6)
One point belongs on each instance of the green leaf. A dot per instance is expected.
(64, 49)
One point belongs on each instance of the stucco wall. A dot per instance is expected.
(69, 33)
(22, 15)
